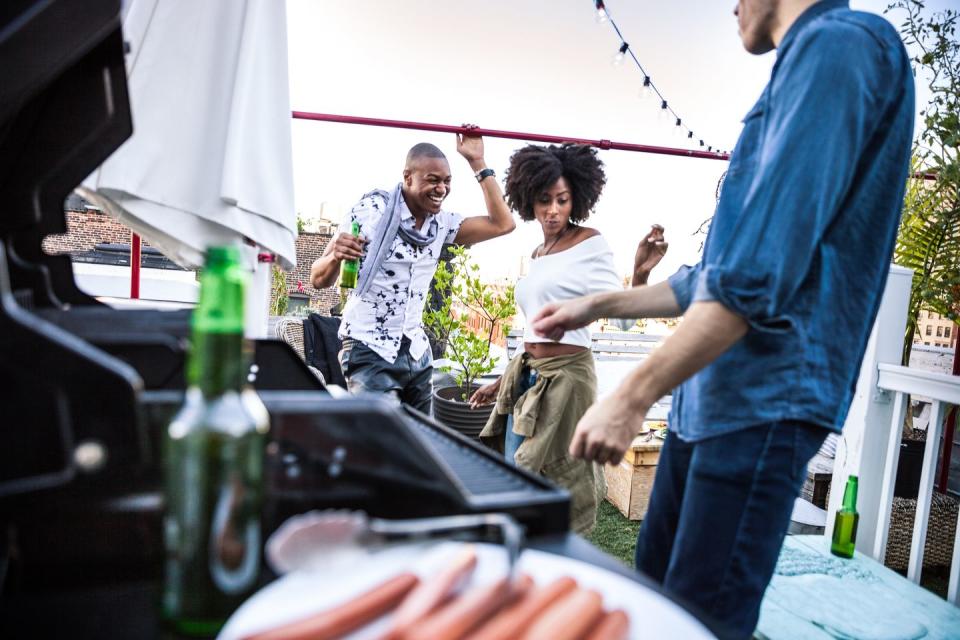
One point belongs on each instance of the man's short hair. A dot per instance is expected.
(423, 150)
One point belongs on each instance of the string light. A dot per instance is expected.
(646, 92)
(678, 129)
(618, 57)
(664, 112)
(601, 12)
(649, 89)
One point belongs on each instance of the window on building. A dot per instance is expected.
(929, 330)
(946, 332)
(940, 332)
(926, 344)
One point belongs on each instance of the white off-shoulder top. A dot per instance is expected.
(582, 269)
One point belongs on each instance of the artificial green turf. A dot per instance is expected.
(614, 533)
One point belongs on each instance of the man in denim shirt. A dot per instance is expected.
(776, 314)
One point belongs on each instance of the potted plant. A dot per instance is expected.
(462, 297)
(298, 299)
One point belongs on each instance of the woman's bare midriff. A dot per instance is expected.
(550, 349)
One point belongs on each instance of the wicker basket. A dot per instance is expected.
(290, 330)
(941, 529)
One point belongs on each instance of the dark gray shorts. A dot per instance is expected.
(407, 379)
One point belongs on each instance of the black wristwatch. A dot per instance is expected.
(484, 173)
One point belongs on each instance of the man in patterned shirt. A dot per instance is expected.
(402, 232)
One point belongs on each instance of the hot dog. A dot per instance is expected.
(432, 592)
(512, 622)
(454, 620)
(613, 626)
(570, 617)
(348, 616)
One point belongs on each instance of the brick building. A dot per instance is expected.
(935, 330)
(88, 227)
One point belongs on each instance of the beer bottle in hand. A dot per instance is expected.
(845, 524)
(350, 268)
(214, 462)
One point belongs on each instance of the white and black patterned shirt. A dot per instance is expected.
(393, 305)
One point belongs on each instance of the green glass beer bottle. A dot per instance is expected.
(350, 268)
(214, 462)
(845, 524)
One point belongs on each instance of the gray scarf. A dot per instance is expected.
(387, 228)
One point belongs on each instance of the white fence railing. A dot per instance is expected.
(943, 390)
(870, 445)
(606, 345)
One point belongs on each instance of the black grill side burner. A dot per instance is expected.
(86, 389)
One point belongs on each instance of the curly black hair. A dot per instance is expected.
(533, 169)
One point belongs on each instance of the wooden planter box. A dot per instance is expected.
(630, 482)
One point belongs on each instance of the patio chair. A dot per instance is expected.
(290, 330)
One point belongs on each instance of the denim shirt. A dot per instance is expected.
(801, 240)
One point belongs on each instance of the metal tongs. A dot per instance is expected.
(312, 538)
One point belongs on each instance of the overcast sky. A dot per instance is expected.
(542, 67)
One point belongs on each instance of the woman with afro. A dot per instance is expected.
(548, 386)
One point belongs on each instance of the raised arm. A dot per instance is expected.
(650, 251)
(499, 220)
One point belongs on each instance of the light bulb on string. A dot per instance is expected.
(678, 129)
(620, 54)
(664, 112)
(646, 91)
(601, 16)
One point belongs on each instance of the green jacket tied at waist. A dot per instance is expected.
(547, 415)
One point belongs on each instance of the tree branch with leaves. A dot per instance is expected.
(928, 241)
(459, 285)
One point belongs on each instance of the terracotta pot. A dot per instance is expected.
(457, 414)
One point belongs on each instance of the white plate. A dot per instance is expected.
(301, 594)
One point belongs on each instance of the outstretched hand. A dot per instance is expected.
(556, 318)
(606, 430)
(486, 394)
(650, 251)
(469, 145)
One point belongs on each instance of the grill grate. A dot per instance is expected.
(479, 474)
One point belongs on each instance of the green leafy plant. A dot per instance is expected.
(462, 293)
(928, 240)
(279, 300)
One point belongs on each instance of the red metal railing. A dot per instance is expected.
(512, 135)
(530, 137)
(134, 266)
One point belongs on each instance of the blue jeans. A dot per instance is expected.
(511, 440)
(718, 514)
(409, 379)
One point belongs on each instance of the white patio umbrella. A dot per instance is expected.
(210, 159)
